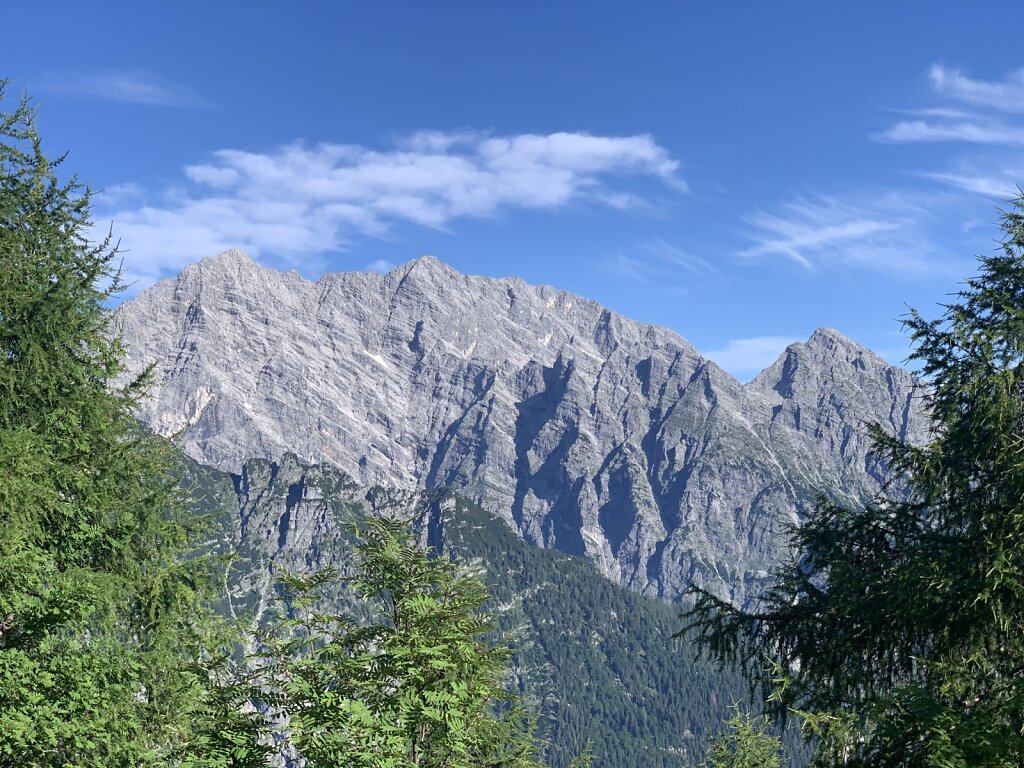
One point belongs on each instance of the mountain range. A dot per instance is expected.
(584, 431)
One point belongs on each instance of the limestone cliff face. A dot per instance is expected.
(583, 430)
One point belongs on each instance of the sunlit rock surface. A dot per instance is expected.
(583, 430)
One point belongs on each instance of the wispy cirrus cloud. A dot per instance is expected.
(996, 184)
(977, 111)
(633, 268)
(745, 358)
(659, 262)
(885, 233)
(975, 132)
(131, 87)
(802, 231)
(908, 228)
(983, 114)
(1006, 95)
(677, 257)
(297, 201)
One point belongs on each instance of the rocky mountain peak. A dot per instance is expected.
(233, 260)
(826, 351)
(582, 429)
(428, 263)
(830, 342)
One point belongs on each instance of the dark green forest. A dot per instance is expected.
(597, 662)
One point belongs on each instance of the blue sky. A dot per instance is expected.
(740, 172)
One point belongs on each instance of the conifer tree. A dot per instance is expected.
(745, 744)
(100, 610)
(418, 685)
(899, 628)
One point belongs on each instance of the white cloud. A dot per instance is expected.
(217, 178)
(117, 195)
(907, 231)
(661, 265)
(677, 257)
(886, 235)
(135, 87)
(297, 201)
(1005, 95)
(743, 357)
(985, 114)
(948, 113)
(976, 111)
(382, 266)
(990, 132)
(1000, 185)
(633, 268)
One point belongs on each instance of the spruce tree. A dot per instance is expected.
(898, 630)
(100, 610)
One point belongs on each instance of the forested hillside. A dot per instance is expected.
(595, 660)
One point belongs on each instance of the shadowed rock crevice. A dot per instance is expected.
(294, 496)
(534, 414)
(617, 516)
(460, 437)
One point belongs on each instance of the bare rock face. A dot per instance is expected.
(585, 431)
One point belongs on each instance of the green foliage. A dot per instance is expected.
(599, 659)
(746, 744)
(899, 631)
(230, 727)
(418, 685)
(99, 609)
(592, 661)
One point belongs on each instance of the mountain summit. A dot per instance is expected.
(583, 430)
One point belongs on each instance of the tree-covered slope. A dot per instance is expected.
(595, 661)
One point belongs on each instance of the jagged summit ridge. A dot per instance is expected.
(586, 431)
